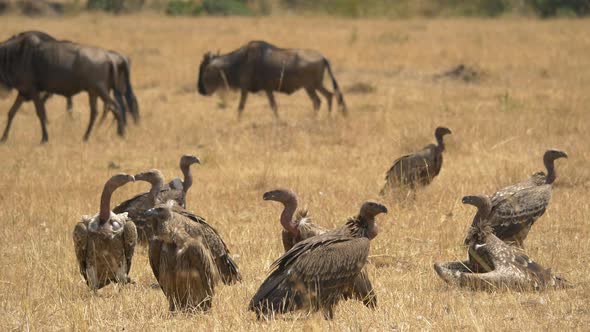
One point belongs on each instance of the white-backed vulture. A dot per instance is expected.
(316, 272)
(105, 242)
(493, 263)
(417, 168)
(300, 227)
(181, 260)
(516, 208)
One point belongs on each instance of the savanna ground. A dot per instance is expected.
(533, 95)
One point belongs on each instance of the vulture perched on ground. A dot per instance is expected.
(317, 272)
(493, 263)
(301, 228)
(181, 260)
(105, 242)
(516, 208)
(417, 168)
(227, 268)
(159, 193)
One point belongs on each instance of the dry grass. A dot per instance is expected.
(534, 95)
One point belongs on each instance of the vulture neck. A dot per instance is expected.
(105, 203)
(483, 211)
(440, 144)
(366, 224)
(287, 216)
(551, 174)
(155, 191)
(188, 178)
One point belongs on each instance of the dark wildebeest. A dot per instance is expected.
(260, 66)
(34, 65)
(123, 80)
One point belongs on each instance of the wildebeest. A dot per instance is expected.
(33, 63)
(260, 66)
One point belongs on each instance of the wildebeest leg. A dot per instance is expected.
(106, 99)
(328, 96)
(70, 105)
(314, 98)
(40, 109)
(243, 98)
(272, 102)
(93, 112)
(17, 103)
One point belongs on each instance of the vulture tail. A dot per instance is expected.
(228, 270)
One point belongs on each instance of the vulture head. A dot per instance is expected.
(479, 228)
(548, 160)
(158, 218)
(187, 160)
(282, 195)
(370, 209)
(107, 222)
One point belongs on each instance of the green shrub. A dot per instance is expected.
(226, 7)
(179, 7)
(548, 8)
(115, 6)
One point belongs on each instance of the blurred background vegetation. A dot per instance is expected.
(345, 8)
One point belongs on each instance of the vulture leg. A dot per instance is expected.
(328, 96)
(17, 104)
(243, 98)
(40, 109)
(272, 102)
(363, 290)
(92, 101)
(314, 98)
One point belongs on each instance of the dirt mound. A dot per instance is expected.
(463, 73)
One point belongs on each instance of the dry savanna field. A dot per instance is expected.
(531, 95)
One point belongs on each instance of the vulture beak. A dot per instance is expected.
(267, 196)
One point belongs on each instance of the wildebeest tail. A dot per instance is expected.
(337, 91)
(129, 95)
(228, 270)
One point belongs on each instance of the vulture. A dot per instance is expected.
(227, 268)
(317, 272)
(301, 228)
(417, 168)
(493, 263)
(105, 242)
(181, 260)
(159, 193)
(516, 208)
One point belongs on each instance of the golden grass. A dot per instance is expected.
(534, 96)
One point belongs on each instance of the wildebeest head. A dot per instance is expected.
(210, 76)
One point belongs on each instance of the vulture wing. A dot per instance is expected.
(80, 242)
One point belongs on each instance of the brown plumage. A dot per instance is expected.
(316, 272)
(181, 260)
(301, 228)
(159, 193)
(493, 263)
(516, 208)
(183, 186)
(105, 242)
(417, 168)
(228, 269)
